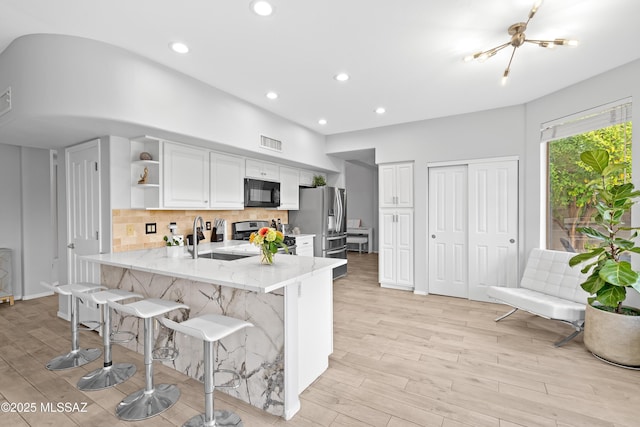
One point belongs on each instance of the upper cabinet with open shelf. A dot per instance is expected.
(169, 175)
(145, 172)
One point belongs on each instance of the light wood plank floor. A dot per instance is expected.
(399, 360)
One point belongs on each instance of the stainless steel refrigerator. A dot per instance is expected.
(323, 212)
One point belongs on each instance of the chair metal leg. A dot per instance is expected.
(577, 325)
(110, 374)
(565, 340)
(151, 400)
(506, 315)
(77, 356)
(212, 417)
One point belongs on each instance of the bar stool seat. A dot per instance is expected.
(77, 356)
(210, 328)
(151, 400)
(110, 374)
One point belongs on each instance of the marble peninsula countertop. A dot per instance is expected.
(245, 273)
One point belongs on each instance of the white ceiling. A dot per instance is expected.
(404, 55)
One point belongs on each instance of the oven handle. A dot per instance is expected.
(337, 251)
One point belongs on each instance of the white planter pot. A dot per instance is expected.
(613, 337)
(175, 251)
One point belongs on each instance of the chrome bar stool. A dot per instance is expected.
(151, 400)
(110, 374)
(77, 356)
(211, 328)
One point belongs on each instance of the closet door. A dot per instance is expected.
(448, 231)
(493, 226)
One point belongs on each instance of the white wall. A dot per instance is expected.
(492, 133)
(362, 196)
(513, 131)
(74, 83)
(37, 229)
(617, 84)
(11, 210)
(25, 220)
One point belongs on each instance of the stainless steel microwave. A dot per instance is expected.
(261, 194)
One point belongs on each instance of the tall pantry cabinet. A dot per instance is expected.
(396, 253)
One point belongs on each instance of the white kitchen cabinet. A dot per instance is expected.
(289, 191)
(396, 185)
(262, 170)
(185, 181)
(145, 194)
(226, 185)
(304, 245)
(396, 248)
(306, 177)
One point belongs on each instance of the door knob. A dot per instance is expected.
(433, 236)
(512, 241)
(71, 246)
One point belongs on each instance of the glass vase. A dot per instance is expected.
(267, 256)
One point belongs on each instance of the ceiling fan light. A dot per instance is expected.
(535, 8)
(572, 42)
(505, 77)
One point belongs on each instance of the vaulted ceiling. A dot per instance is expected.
(405, 56)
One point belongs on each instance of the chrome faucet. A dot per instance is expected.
(194, 252)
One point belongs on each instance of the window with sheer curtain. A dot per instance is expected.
(569, 198)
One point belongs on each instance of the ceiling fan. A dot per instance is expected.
(518, 38)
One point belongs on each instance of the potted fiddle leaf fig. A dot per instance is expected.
(611, 330)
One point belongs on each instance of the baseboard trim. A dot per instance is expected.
(397, 287)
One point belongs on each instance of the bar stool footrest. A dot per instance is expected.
(126, 336)
(165, 354)
(235, 381)
(83, 325)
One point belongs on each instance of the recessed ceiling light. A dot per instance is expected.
(262, 8)
(272, 95)
(380, 110)
(179, 47)
(322, 121)
(341, 77)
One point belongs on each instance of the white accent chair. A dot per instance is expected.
(549, 288)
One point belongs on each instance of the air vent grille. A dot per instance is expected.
(270, 143)
(5, 102)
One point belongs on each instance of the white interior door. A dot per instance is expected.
(83, 210)
(493, 226)
(448, 231)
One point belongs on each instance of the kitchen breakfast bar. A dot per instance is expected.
(290, 304)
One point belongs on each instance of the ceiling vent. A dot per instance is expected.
(5, 102)
(270, 144)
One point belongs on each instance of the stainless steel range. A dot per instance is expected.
(242, 231)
